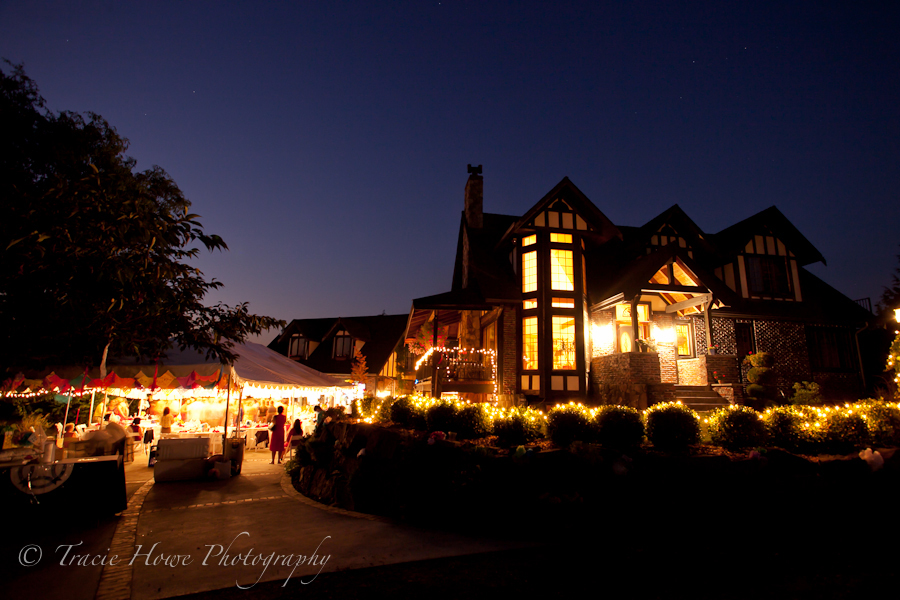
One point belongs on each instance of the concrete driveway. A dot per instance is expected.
(178, 538)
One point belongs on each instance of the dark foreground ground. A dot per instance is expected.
(585, 566)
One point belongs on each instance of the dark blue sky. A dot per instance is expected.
(327, 142)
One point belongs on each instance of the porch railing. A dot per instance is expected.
(460, 369)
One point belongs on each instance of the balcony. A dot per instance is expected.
(458, 370)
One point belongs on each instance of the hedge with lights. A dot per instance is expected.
(736, 428)
(672, 426)
(669, 426)
(618, 427)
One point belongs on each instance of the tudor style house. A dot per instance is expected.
(329, 345)
(569, 306)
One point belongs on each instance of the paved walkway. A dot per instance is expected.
(185, 537)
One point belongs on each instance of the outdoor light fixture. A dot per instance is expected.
(897, 314)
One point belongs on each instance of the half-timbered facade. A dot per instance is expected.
(571, 306)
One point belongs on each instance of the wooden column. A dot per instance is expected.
(708, 321)
(635, 328)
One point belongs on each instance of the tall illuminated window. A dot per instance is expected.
(529, 343)
(529, 271)
(682, 339)
(561, 272)
(563, 343)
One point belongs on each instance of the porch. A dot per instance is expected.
(466, 371)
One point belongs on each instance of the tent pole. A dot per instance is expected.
(227, 403)
(91, 413)
(66, 418)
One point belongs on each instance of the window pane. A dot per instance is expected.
(561, 277)
(527, 304)
(768, 276)
(563, 343)
(529, 272)
(682, 335)
(561, 238)
(563, 303)
(529, 343)
(531, 239)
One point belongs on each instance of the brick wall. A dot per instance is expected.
(732, 392)
(660, 392)
(692, 371)
(786, 341)
(623, 394)
(603, 333)
(668, 352)
(508, 367)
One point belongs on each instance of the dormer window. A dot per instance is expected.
(768, 276)
(297, 347)
(343, 345)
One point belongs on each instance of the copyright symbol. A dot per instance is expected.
(30, 555)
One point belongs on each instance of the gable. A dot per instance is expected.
(565, 208)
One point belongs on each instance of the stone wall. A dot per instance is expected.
(626, 368)
(732, 392)
(623, 394)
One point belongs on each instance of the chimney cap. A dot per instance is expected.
(474, 170)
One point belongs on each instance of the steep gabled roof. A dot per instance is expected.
(732, 240)
(567, 191)
(675, 217)
(634, 276)
(488, 268)
(381, 333)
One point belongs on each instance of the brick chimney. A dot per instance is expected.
(475, 198)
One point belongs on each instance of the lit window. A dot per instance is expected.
(529, 272)
(563, 303)
(528, 241)
(530, 343)
(528, 304)
(564, 343)
(561, 276)
(623, 313)
(682, 339)
(561, 238)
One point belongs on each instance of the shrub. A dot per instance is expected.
(672, 426)
(761, 359)
(367, 406)
(384, 411)
(335, 412)
(806, 392)
(441, 416)
(845, 432)
(736, 427)
(783, 426)
(473, 421)
(760, 375)
(567, 423)
(518, 426)
(402, 411)
(619, 427)
(884, 423)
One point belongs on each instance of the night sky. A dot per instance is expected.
(327, 142)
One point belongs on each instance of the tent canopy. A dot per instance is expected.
(255, 365)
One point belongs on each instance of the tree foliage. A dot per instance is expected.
(93, 254)
(359, 371)
(890, 298)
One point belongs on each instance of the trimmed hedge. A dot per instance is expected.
(618, 427)
(737, 427)
(672, 426)
(567, 423)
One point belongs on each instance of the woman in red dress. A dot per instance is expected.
(276, 435)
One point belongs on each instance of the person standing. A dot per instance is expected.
(276, 435)
(166, 421)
